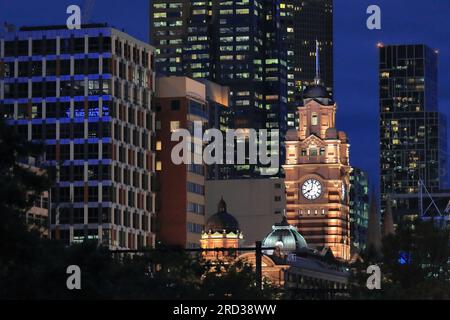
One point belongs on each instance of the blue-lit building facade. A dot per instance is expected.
(86, 94)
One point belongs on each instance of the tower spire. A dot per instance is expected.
(317, 79)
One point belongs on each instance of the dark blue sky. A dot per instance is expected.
(356, 56)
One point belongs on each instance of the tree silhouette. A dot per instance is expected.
(414, 264)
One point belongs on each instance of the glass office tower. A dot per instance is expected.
(232, 43)
(168, 30)
(86, 94)
(413, 133)
(302, 23)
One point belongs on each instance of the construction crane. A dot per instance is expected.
(432, 211)
(88, 6)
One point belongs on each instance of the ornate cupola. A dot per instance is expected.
(285, 238)
(221, 231)
(317, 91)
(317, 173)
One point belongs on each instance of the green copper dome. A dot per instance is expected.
(284, 236)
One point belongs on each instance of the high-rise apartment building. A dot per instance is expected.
(183, 103)
(86, 94)
(413, 133)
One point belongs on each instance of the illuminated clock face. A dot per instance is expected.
(311, 189)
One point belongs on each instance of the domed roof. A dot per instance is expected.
(222, 220)
(342, 136)
(316, 91)
(331, 133)
(286, 237)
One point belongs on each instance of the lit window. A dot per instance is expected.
(242, 11)
(160, 15)
(226, 39)
(242, 38)
(314, 119)
(174, 125)
(158, 166)
(158, 146)
(322, 151)
(34, 112)
(228, 57)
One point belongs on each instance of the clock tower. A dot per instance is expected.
(317, 174)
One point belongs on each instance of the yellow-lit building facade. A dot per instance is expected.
(221, 231)
(317, 174)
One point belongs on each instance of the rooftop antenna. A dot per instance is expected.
(317, 80)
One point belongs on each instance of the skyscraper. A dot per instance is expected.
(222, 41)
(235, 44)
(180, 103)
(168, 31)
(302, 23)
(263, 50)
(412, 130)
(86, 94)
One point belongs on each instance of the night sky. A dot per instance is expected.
(356, 55)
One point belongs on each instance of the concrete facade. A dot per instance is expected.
(256, 203)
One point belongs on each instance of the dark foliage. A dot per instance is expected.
(423, 272)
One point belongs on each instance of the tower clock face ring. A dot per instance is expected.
(312, 189)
